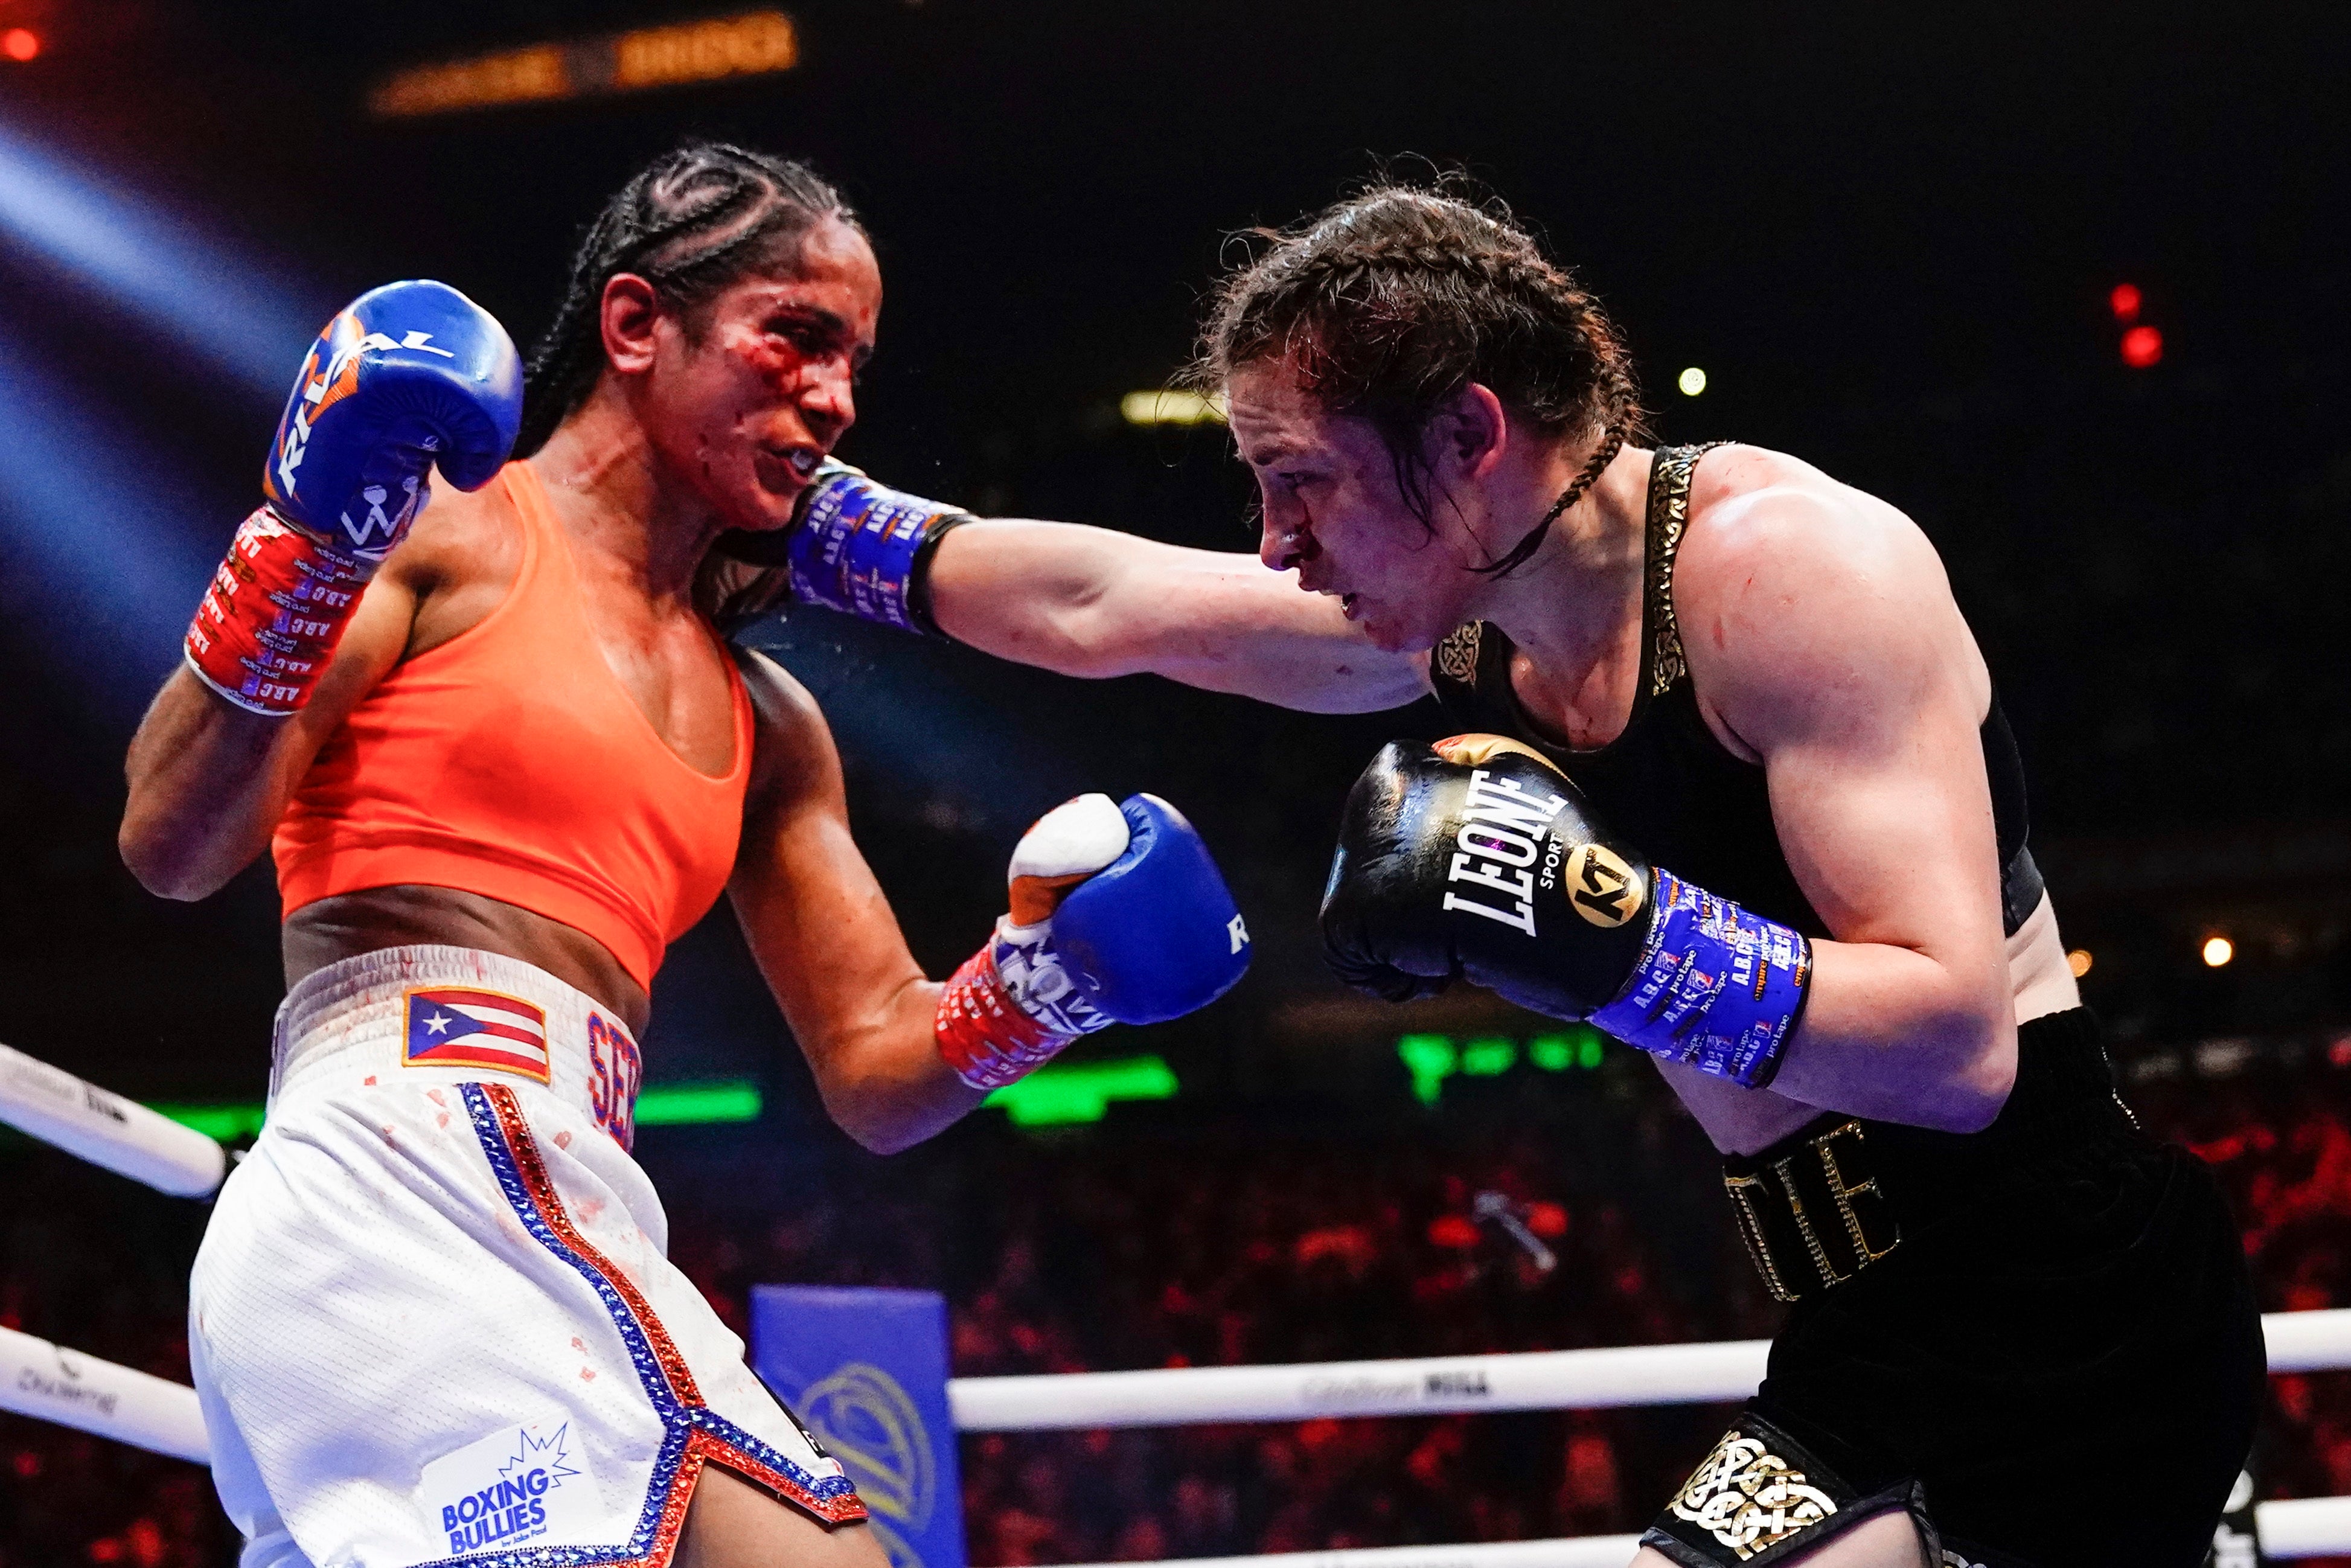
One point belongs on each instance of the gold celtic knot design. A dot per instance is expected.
(1669, 488)
(1747, 1498)
(1456, 656)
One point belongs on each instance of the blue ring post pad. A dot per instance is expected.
(1718, 988)
(855, 546)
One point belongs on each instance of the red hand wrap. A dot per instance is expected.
(273, 614)
(985, 1035)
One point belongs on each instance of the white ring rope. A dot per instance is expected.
(52, 1384)
(1528, 1380)
(107, 1130)
(1525, 1380)
(41, 1380)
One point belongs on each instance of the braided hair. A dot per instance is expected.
(1388, 303)
(700, 217)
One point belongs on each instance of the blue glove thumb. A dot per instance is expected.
(1154, 934)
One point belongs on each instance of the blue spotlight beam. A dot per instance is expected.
(158, 263)
(101, 562)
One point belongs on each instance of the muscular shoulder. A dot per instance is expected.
(1806, 603)
(460, 538)
(460, 558)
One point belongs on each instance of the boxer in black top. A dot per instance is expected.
(1737, 790)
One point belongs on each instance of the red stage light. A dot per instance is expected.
(2123, 301)
(1452, 1230)
(20, 42)
(2142, 346)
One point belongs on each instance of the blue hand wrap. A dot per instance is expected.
(1718, 988)
(858, 547)
(1154, 934)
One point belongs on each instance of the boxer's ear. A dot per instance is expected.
(1468, 433)
(627, 316)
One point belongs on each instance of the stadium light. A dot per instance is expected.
(1692, 381)
(2217, 951)
(177, 279)
(1169, 406)
(103, 561)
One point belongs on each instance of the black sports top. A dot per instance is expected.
(1666, 783)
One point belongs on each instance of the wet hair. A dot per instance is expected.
(1388, 303)
(696, 219)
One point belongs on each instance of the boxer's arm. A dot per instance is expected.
(825, 937)
(1095, 602)
(208, 780)
(1824, 636)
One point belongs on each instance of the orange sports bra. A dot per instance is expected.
(510, 762)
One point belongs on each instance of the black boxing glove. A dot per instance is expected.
(1477, 858)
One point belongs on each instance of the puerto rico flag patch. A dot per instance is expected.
(456, 1026)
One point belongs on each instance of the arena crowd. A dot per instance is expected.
(1215, 1245)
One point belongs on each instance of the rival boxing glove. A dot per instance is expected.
(1477, 859)
(406, 376)
(856, 547)
(1119, 916)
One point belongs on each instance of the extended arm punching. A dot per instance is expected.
(1085, 602)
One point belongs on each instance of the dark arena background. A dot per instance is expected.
(2056, 280)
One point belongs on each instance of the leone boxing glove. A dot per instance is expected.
(1119, 916)
(1477, 859)
(406, 377)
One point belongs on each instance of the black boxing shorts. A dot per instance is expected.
(2041, 1339)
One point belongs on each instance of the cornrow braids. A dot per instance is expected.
(1388, 303)
(700, 217)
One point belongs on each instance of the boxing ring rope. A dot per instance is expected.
(1707, 1374)
(122, 1135)
(53, 1383)
(50, 1384)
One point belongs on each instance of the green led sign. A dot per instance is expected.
(658, 1105)
(222, 1122)
(1431, 1059)
(697, 1104)
(1062, 1093)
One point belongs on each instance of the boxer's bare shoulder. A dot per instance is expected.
(459, 560)
(1801, 599)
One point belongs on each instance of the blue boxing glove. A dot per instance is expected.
(1119, 916)
(1154, 934)
(404, 376)
(407, 376)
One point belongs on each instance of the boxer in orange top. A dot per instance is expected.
(503, 759)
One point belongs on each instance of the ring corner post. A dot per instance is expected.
(865, 1370)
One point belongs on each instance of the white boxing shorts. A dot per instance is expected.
(433, 1320)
